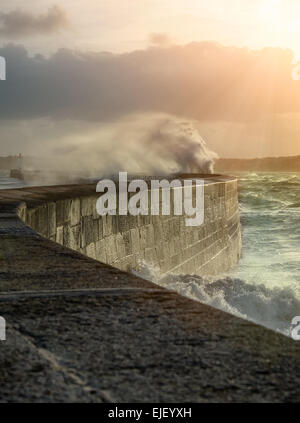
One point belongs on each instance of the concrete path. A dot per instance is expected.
(78, 330)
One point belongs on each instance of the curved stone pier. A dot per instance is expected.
(68, 216)
(82, 330)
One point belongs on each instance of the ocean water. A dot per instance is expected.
(9, 183)
(265, 286)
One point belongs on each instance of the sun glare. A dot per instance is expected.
(270, 10)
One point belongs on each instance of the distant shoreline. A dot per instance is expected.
(267, 164)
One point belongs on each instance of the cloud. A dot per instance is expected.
(202, 81)
(19, 24)
(160, 39)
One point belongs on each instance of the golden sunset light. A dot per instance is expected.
(270, 10)
(150, 206)
(256, 42)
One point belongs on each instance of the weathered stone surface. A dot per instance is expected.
(60, 235)
(75, 212)
(156, 347)
(147, 233)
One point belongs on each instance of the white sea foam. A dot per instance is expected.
(273, 308)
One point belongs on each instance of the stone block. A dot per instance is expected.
(111, 249)
(51, 219)
(88, 206)
(87, 228)
(91, 250)
(60, 235)
(135, 240)
(75, 237)
(107, 225)
(75, 212)
(62, 212)
(101, 251)
(121, 251)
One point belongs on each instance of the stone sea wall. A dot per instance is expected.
(127, 241)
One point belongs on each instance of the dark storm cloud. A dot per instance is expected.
(17, 23)
(203, 81)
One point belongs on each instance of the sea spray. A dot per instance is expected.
(147, 144)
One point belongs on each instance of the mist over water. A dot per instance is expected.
(146, 144)
(265, 286)
(143, 144)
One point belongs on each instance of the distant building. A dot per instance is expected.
(20, 161)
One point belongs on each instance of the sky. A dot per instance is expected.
(80, 70)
